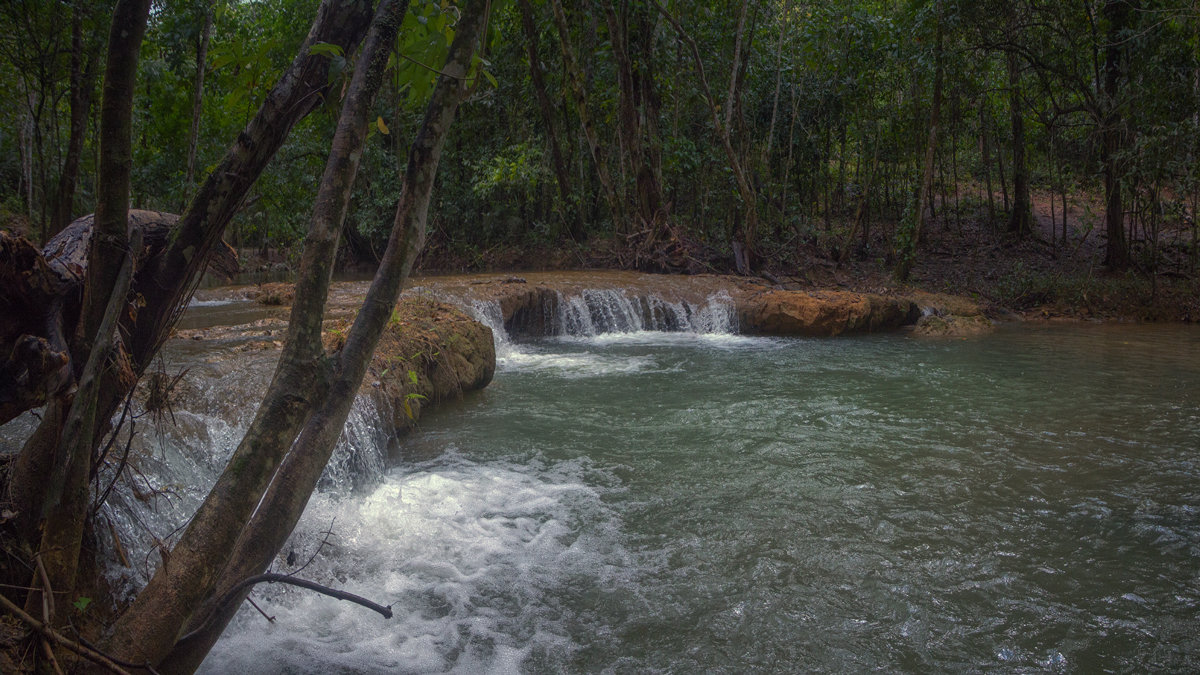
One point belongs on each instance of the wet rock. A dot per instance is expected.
(950, 316)
(430, 352)
(823, 313)
(952, 325)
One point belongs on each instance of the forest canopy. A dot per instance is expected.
(723, 126)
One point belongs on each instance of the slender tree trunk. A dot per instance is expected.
(1116, 251)
(198, 94)
(926, 190)
(579, 93)
(1020, 218)
(84, 56)
(561, 173)
(297, 477)
(107, 284)
(745, 260)
(151, 626)
(987, 168)
(785, 9)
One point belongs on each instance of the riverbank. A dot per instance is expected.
(1026, 278)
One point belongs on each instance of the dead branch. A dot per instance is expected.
(271, 578)
(49, 633)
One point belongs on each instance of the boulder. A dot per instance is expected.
(430, 352)
(823, 313)
(953, 325)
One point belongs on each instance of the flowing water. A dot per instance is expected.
(632, 500)
(625, 498)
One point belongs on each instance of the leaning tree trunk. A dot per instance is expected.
(109, 272)
(297, 477)
(152, 625)
(561, 173)
(165, 280)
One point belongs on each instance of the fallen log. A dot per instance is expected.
(40, 292)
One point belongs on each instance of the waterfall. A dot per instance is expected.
(173, 463)
(600, 311)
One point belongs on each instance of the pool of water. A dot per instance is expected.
(681, 503)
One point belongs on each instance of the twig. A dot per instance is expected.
(260, 609)
(328, 533)
(90, 654)
(271, 577)
(47, 592)
(50, 656)
(124, 458)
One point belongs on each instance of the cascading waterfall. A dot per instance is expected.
(174, 463)
(598, 311)
(600, 314)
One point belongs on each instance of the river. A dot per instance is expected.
(642, 501)
(627, 500)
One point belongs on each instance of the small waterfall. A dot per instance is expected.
(173, 463)
(599, 311)
(594, 312)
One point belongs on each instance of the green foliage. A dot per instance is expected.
(825, 91)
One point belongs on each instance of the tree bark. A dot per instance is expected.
(198, 93)
(149, 629)
(561, 173)
(579, 94)
(1020, 218)
(284, 502)
(84, 55)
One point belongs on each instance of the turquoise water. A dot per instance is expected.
(679, 503)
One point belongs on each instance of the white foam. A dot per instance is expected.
(463, 552)
(196, 302)
(572, 365)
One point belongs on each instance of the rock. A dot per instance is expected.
(430, 352)
(950, 316)
(274, 294)
(823, 313)
(952, 325)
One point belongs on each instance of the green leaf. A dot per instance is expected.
(412, 376)
(82, 603)
(383, 129)
(325, 49)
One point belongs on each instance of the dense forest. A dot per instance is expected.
(1028, 153)
(672, 136)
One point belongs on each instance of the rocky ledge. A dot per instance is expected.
(431, 352)
(823, 313)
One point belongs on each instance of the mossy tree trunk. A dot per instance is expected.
(66, 498)
(284, 501)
